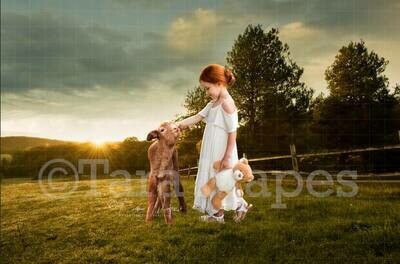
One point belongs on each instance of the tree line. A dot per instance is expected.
(276, 108)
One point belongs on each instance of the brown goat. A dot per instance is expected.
(163, 158)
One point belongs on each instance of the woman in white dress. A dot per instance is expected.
(218, 143)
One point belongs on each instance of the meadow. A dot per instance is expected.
(39, 225)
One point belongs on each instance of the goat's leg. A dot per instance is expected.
(157, 206)
(177, 183)
(165, 195)
(151, 198)
(179, 193)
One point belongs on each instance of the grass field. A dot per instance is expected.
(110, 228)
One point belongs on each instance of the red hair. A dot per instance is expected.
(215, 73)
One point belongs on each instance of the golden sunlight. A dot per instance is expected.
(98, 142)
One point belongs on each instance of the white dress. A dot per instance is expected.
(218, 124)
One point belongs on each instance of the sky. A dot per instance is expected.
(102, 70)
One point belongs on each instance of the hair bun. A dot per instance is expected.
(230, 78)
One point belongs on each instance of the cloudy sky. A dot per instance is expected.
(105, 70)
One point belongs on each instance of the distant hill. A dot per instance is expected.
(11, 144)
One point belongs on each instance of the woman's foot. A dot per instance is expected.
(212, 218)
(241, 214)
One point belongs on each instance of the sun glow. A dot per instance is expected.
(98, 142)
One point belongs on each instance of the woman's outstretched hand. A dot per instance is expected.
(181, 126)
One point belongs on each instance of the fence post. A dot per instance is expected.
(295, 165)
(189, 172)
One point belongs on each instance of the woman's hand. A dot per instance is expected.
(181, 126)
(224, 164)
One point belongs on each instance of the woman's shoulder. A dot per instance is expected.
(228, 105)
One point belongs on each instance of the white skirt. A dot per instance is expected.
(213, 148)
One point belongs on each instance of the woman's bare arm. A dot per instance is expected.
(229, 107)
(187, 122)
(230, 145)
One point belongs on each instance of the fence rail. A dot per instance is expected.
(294, 156)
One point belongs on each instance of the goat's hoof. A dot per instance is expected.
(183, 209)
(168, 215)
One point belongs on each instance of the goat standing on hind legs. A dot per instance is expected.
(163, 158)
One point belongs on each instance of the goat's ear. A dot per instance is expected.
(152, 135)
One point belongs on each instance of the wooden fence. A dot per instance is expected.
(294, 156)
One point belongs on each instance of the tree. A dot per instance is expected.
(397, 92)
(360, 109)
(268, 90)
(195, 100)
(356, 75)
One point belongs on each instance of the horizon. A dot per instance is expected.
(74, 141)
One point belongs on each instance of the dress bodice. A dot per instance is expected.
(217, 116)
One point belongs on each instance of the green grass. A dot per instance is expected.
(110, 228)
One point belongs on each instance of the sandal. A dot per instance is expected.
(212, 218)
(240, 215)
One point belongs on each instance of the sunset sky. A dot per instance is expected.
(105, 70)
